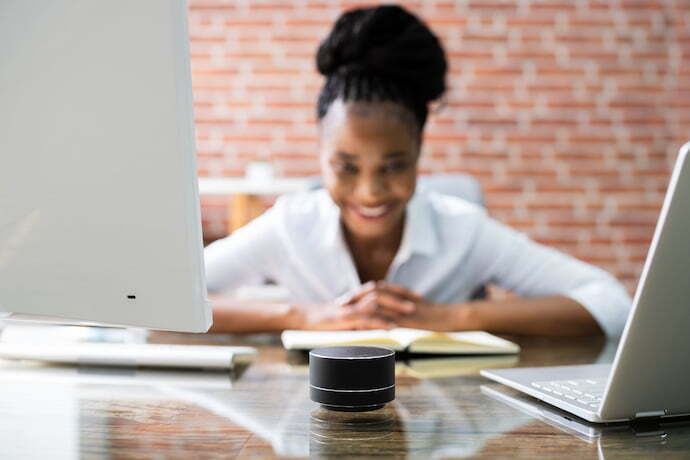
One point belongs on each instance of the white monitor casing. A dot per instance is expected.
(99, 206)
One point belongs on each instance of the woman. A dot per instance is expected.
(368, 250)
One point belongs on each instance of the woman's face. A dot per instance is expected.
(369, 153)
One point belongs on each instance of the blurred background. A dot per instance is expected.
(569, 113)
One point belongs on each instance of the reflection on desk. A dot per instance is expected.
(424, 366)
(264, 410)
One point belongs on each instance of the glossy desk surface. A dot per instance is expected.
(263, 410)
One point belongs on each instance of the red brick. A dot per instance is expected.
(553, 88)
(270, 6)
(489, 70)
(539, 20)
(552, 5)
(471, 103)
(436, 21)
(649, 55)
(591, 20)
(533, 172)
(600, 4)
(559, 71)
(547, 188)
(608, 70)
(642, 5)
(236, 22)
(470, 54)
(592, 54)
(493, 4)
(484, 38)
(531, 54)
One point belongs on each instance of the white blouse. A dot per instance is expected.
(449, 248)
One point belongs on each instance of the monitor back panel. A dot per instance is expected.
(99, 210)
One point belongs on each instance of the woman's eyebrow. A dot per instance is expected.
(347, 156)
(395, 155)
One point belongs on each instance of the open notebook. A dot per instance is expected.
(451, 366)
(403, 339)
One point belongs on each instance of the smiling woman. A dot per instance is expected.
(371, 251)
(369, 156)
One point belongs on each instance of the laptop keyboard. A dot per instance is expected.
(586, 392)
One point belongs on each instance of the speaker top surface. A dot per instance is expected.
(352, 352)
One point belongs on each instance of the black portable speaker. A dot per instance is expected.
(352, 378)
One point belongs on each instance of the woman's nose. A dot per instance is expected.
(371, 188)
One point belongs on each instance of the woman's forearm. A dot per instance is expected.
(546, 316)
(232, 315)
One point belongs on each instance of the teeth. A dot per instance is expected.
(372, 212)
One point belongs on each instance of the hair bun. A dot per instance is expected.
(386, 41)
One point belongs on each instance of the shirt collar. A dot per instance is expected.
(419, 234)
(330, 220)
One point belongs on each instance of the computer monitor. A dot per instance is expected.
(99, 207)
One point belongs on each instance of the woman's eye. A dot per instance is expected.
(347, 168)
(395, 166)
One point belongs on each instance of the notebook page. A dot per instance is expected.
(304, 340)
(483, 338)
(405, 336)
(473, 342)
(450, 367)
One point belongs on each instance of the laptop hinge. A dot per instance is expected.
(651, 413)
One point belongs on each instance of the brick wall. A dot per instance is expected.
(569, 112)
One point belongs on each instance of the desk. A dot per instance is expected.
(264, 410)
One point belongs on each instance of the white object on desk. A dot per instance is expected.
(130, 355)
(111, 347)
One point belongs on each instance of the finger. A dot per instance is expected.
(386, 305)
(389, 314)
(399, 290)
(373, 323)
(395, 303)
(367, 306)
(365, 289)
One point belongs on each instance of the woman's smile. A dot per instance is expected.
(373, 212)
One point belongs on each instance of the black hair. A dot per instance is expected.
(381, 53)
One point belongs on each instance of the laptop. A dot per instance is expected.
(649, 433)
(650, 373)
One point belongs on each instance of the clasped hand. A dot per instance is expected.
(379, 305)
